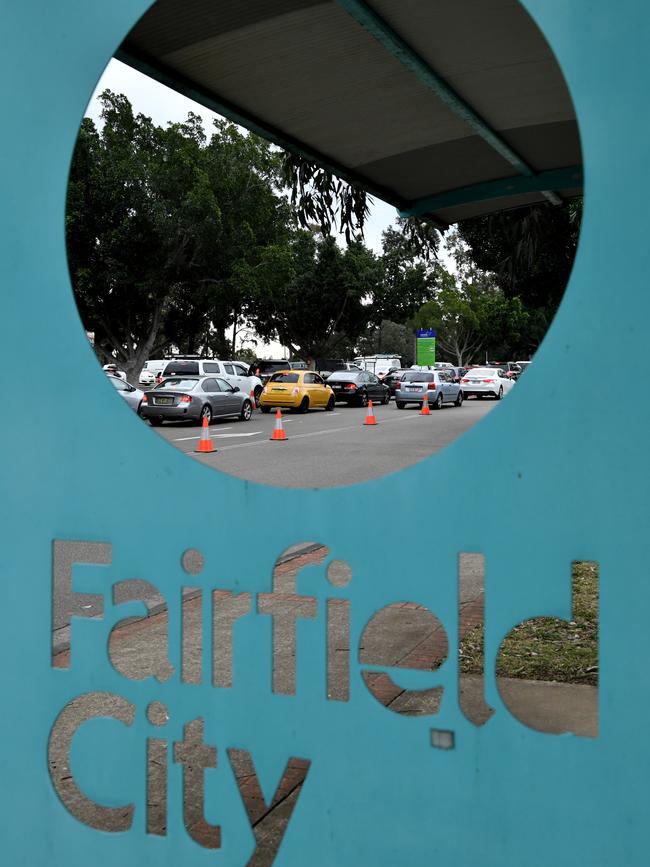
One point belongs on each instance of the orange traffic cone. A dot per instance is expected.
(205, 443)
(370, 416)
(425, 405)
(252, 399)
(278, 431)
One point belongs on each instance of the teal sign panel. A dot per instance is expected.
(86, 491)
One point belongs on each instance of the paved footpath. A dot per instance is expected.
(139, 647)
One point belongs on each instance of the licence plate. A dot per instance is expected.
(413, 388)
(164, 401)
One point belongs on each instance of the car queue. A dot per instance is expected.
(197, 390)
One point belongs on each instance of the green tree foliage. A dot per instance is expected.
(312, 296)
(160, 223)
(470, 312)
(388, 338)
(531, 252)
(406, 283)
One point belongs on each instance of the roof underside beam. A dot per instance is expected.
(164, 74)
(569, 177)
(402, 51)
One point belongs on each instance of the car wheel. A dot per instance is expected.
(438, 401)
(363, 398)
(206, 412)
(400, 404)
(459, 398)
(266, 409)
(246, 411)
(386, 399)
(330, 404)
(500, 394)
(155, 422)
(304, 405)
(257, 393)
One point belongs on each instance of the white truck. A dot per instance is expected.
(380, 365)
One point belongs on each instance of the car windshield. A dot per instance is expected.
(187, 367)
(418, 376)
(284, 377)
(119, 384)
(178, 383)
(480, 372)
(269, 366)
(347, 375)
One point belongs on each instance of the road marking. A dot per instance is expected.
(321, 432)
(227, 436)
(197, 437)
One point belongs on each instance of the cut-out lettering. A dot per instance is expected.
(157, 761)
(195, 756)
(471, 616)
(67, 724)
(286, 792)
(227, 608)
(563, 656)
(67, 603)
(338, 649)
(192, 561)
(192, 635)
(286, 608)
(153, 658)
(403, 635)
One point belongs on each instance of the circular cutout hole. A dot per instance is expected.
(184, 247)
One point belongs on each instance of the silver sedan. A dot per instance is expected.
(133, 396)
(193, 398)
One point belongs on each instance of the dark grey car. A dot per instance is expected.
(193, 398)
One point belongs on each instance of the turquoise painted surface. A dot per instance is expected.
(376, 792)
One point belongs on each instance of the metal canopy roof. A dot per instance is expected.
(444, 108)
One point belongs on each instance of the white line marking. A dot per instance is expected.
(320, 432)
(183, 439)
(227, 436)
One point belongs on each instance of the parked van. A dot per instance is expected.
(380, 365)
(151, 369)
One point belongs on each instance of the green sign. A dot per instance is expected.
(425, 350)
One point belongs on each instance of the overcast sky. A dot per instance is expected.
(162, 104)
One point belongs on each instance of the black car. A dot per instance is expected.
(393, 377)
(358, 387)
(265, 368)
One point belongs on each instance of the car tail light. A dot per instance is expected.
(464, 380)
(431, 386)
(185, 398)
(145, 399)
(397, 385)
(351, 386)
(489, 380)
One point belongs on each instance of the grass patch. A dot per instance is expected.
(548, 648)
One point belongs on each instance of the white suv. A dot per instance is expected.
(234, 372)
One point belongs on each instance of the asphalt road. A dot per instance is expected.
(327, 449)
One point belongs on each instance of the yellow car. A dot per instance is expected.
(299, 390)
